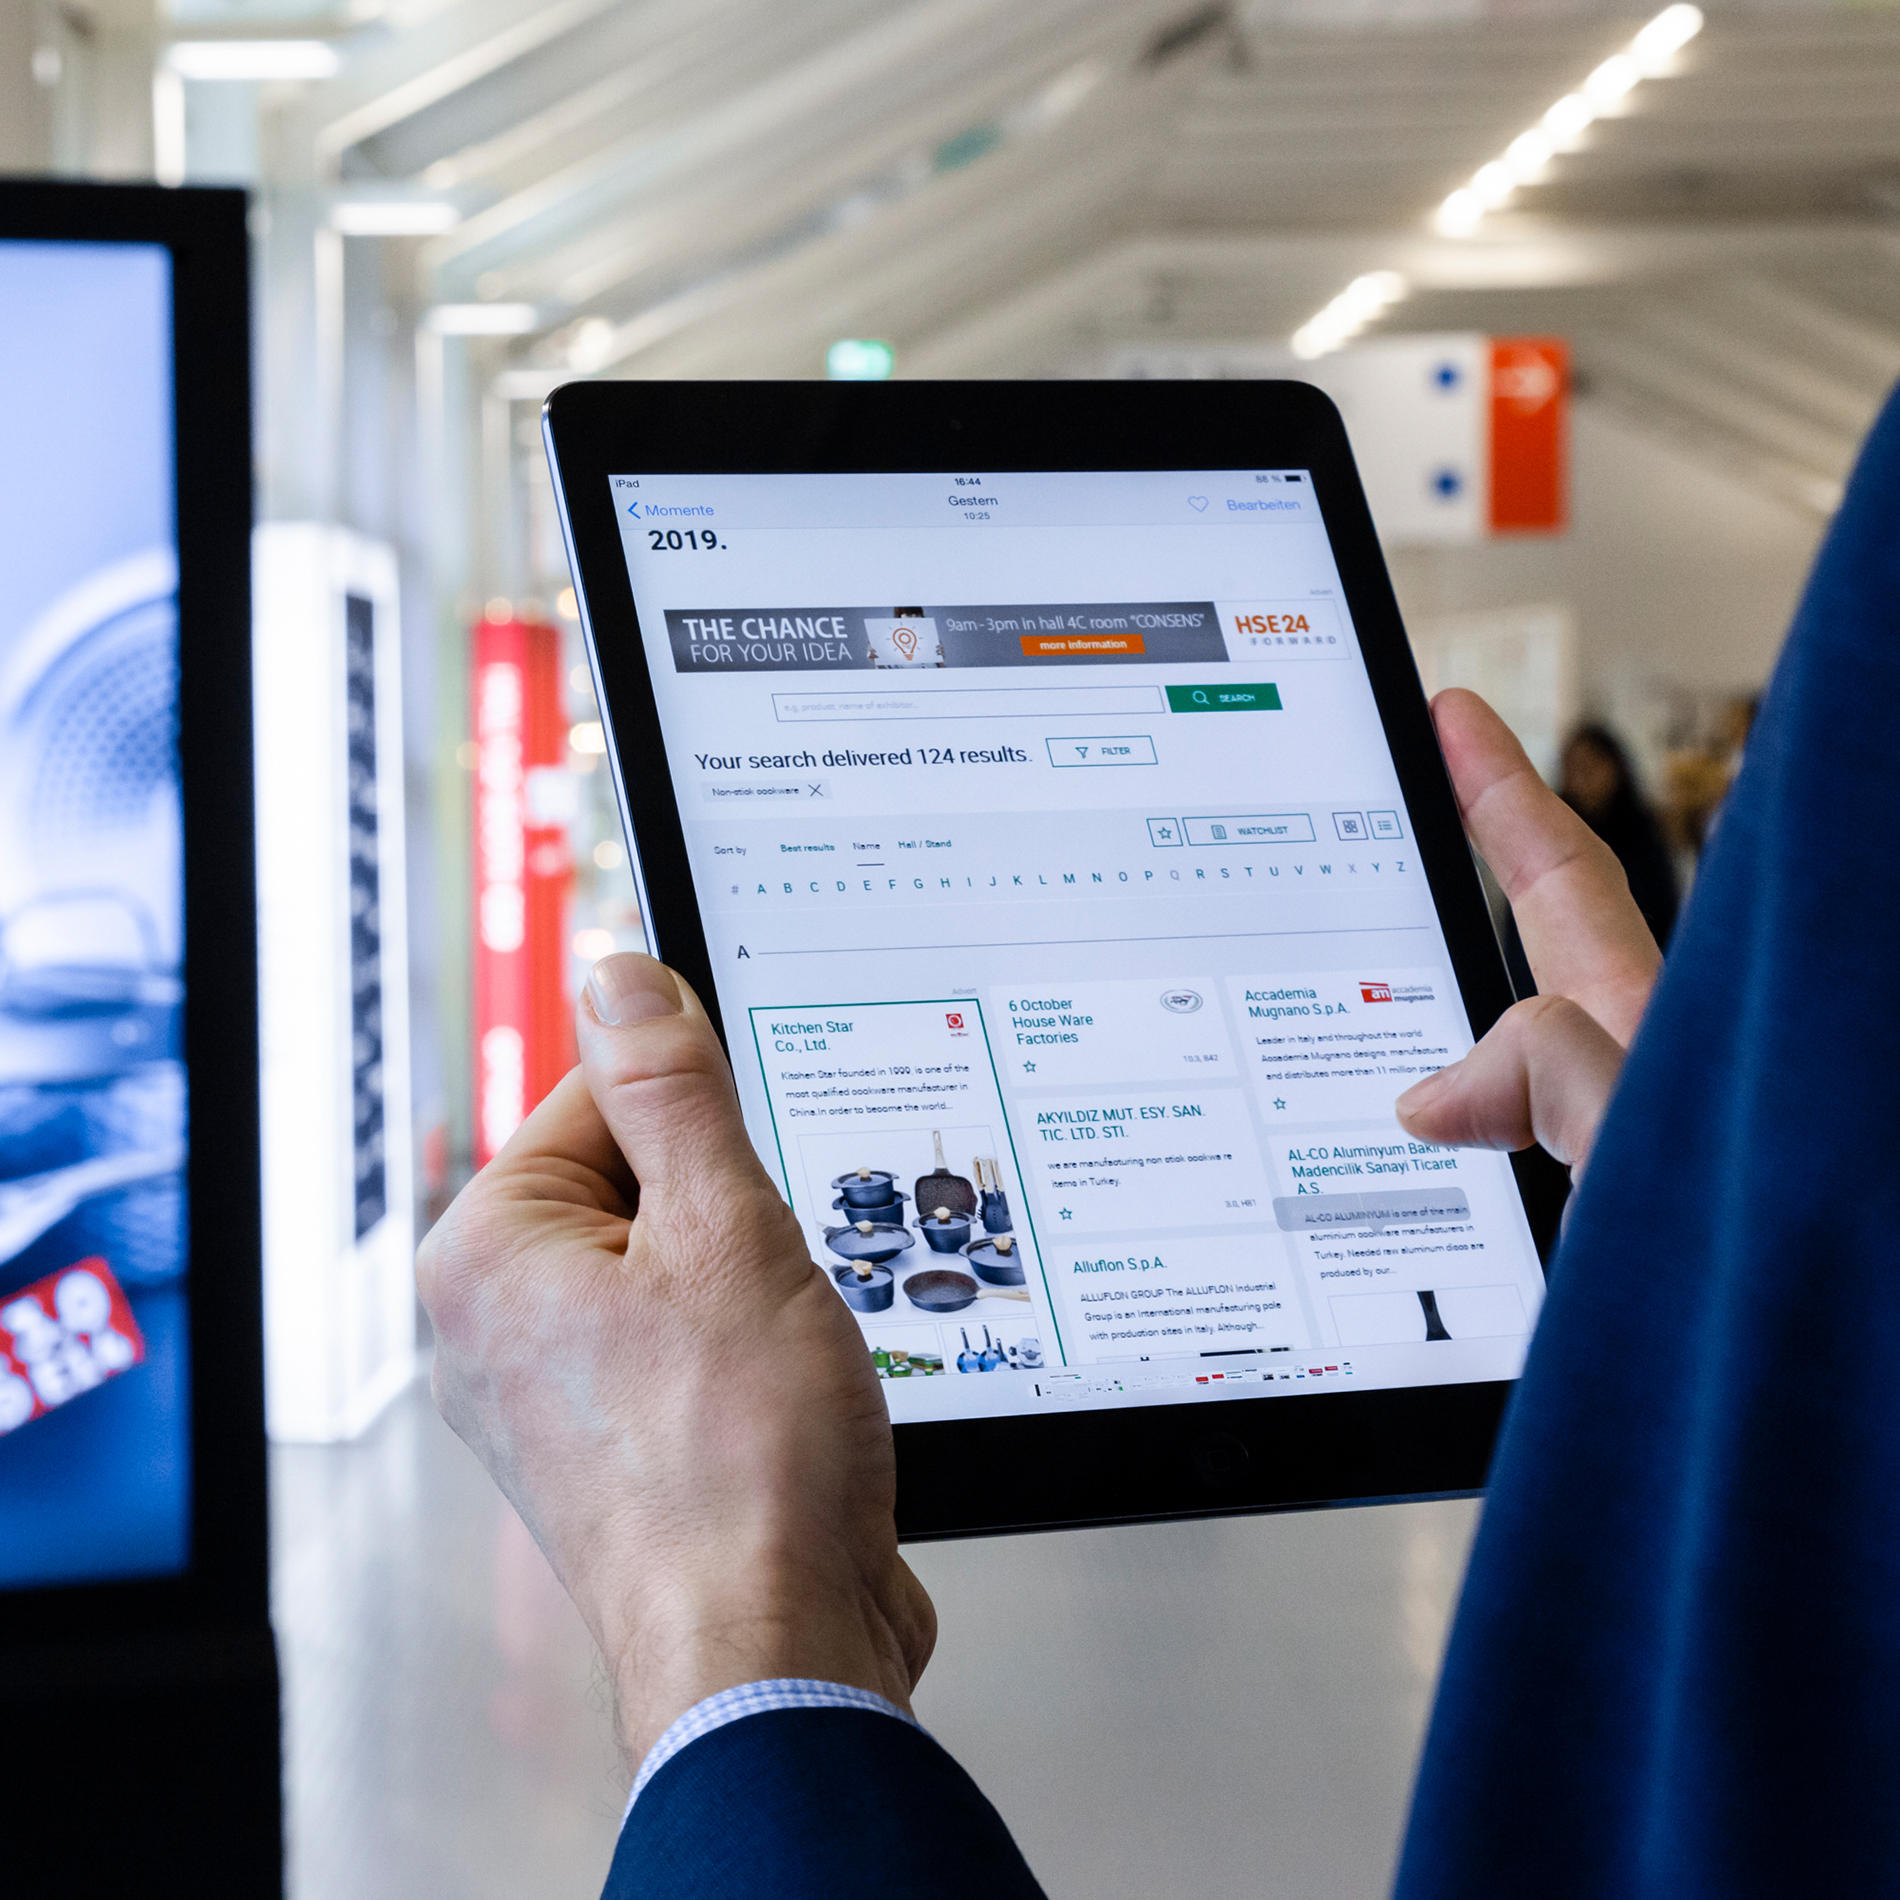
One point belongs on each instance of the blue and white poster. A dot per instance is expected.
(94, 1381)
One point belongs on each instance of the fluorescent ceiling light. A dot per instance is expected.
(1528, 154)
(394, 217)
(1348, 313)
(591, 346)
(1665, 36)
(1368, 295)
(1493, 184)
(1461, 213)
(1572, 115)
(482, 319)
(1617, 76)
(252, 59)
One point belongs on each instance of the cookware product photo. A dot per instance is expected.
(941, 1188)
(992, 1353)
(891, 1210)
(865, 1187)
(945, 1290)
(995, 1203)
(943, 1231)
(900, 1363)
(967, 1360)
(866, 1288)
(997, 1260)
(873, 1242)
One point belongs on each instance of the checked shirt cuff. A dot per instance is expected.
(754, 1698)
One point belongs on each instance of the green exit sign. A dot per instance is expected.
(859, 359)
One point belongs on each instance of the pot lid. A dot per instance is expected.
(884, 1239)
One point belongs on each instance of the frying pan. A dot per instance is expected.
(945, 1232)
(874, 1242)
(945, 1290)
(866, 1288)
(941, 1188)
(865, 1187)
(997, 1261)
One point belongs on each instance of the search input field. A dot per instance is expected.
(969, 702)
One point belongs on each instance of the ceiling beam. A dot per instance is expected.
(412, 71)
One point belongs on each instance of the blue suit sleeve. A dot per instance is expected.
(1675, 1671)
(815, 1804)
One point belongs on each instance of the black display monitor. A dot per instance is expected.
(132, 1474)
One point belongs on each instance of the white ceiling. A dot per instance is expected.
(1008, 188)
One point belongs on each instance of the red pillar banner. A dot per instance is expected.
(1530, 435)
(524, 873)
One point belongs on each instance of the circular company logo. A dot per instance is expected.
(1181, 1002)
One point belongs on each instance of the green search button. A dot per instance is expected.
(1264, 697)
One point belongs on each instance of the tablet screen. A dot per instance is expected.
(1069, 934)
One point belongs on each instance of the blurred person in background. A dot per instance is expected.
(1697, 778)
(1599, 784)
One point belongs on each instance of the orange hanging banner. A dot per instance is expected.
(1530, 435)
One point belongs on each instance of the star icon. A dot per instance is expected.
(1068, 1213)
(1029, 1068)
(1279, 1101)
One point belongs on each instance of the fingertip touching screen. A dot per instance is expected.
(1069, 935)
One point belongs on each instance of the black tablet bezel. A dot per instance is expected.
(224, 1588)
(1030, 1473)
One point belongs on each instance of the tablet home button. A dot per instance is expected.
(1220, 1460)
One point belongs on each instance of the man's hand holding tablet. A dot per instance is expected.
(1544, 1071)
(632, 1336)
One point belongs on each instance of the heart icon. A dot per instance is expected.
(1198, 503)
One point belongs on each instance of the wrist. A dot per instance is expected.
(667, 1659)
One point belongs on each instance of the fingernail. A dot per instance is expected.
(1422, 1093)
(628, 988)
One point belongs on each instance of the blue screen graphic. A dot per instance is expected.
(95, 1460)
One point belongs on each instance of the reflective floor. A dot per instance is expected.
(1225, 1707)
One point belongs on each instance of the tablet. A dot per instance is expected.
(1035, 781)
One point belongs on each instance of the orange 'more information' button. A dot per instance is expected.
(1054, 645)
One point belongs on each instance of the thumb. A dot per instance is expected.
(1543, 1074)
(662, 1083)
